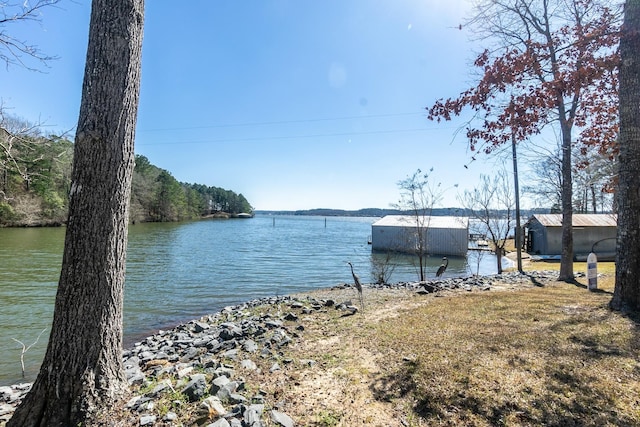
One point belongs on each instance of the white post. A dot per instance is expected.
(592, 271)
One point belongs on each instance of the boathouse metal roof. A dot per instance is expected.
(451, 222)
(579, 220)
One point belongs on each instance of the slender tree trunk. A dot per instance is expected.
(565, 117)
(626, 295)
(566, 258)
(517, 198)
(82, 370)
(499, 260)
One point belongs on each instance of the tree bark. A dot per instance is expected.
(516, 185)
(82, 369)
(626, 295)
(566, 258)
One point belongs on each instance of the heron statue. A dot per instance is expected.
(356, 281)
(442, 267)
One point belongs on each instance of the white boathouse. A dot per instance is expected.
(442, 235)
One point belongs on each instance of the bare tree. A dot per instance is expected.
(14, 51)
(491, 204)
(82, 369)
(382, 267)
(20, 144)
(545, 181)
(593, 176)
(626, 295)
(418, 197)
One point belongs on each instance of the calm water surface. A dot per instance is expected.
(178, 272)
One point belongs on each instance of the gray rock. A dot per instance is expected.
(273, 324)
(252, 415)
(214, 345)
(225, 371)
(291, 317)
(213, 407)
(236, 398)
(146, 420)
(5, 393)
(230, 331)
(135, 376)
(162, 386)
(280, 338)
(190, 354)
(200, 327)
(146, 406)
(282, 419)
(250, 346)
(133, 402)
(196, 388)
(230, 354)
(203, 341)
(6, 409)
(170, 416)
(147, 355)
(226, 392)
(218, 383)
(220, 423)
(248, 365)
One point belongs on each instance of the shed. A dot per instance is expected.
(544, 235)
(443, 235)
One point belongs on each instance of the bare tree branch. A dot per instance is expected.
(26, 348)
(15, 51)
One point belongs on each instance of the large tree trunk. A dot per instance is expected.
(626, 295)
(82, 368)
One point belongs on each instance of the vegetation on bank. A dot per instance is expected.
(35, 179)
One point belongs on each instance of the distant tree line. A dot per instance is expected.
(379, 212)
(35, 178)
(158, 196)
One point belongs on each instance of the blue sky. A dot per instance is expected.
(296, 104)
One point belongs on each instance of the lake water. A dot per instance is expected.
(179, 272)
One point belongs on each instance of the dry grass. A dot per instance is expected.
(542, 356)
(553, 355)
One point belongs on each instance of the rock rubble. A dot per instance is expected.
(202, 362)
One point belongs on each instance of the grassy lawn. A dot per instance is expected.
(553, 355)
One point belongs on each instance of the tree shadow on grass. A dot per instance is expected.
(566, 395)
(577, 284)
(396, 384)
(569, 399)
(534, 280)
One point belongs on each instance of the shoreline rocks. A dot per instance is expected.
(206, 360)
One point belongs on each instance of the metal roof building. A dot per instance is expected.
(442, 235)
(598, 231)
